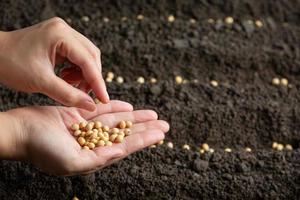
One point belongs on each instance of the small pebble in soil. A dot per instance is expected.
(170, 145)
(140, 17)
(214, 83)
(284, 81)
(120, 79)
(210, 21)
(228, 150)
(258, 23)
(288, 147)
(85, 19)
(105, 19)
(247, 149)
(205, 147)
(160, 142)
(186, 146)
(153, 80)
(200, 165)
(171, 18)
(140, 80)
(229, 20)
(178, 80)
(275, 81)
(192, 21)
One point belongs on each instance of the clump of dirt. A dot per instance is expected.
(245, 110)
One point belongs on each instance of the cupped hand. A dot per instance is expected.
(28, 57)
(51, 146)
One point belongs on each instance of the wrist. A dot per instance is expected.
(12, 137)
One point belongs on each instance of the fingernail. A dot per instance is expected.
(88, 105)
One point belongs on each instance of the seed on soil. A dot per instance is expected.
(160, 142)
(81, 141)
(110, 75)
(210, 20)
(279, 147)
(186, 146)
(205, 147)
(128, 124)
(85, 19)
(229, 20)
(284, 81)
(140, 17)
(275, 81)
(211, 150)
(122, 124)
(105, 19)
(247, 149)
(77, 133)
(227, 150)
(170, 145)
(109, 80)
(123, 19)
(192, 21)
(288, 147)
(258, 23)
(98, 125)
(201, 151)
(171, 18)
(140, 80)
(153, 146)
(178, 80)
(75, 198)
(75, 127)
(120, 79)
(214, 83)
(153, 80)
(274, 145)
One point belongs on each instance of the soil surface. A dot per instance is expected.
(245, 110)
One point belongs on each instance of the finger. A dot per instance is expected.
(149, 125)
(137, 116)
(77, 54)
(113, 106)
(66, 94)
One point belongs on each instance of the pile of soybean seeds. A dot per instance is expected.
(94, 134)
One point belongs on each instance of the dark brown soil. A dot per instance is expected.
(245, 110)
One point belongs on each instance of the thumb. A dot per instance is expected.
(66, 94)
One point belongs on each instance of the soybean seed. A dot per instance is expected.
(122, 124)
(214, 83)
(275, 81)
(98, 124)
(100, 143)
(284, 82)
(228, 150)
(109, 80)
(171, 18)
(119, 139)
(105, 19)
(140, 17)
(89, 126)
(75, 127)
(186, 146)
(95, 141)
(114, 130)
(229, 20)
(113, 137)
(108, 143)
(82, 125)
(170, 145)
(178, 80)
(153, 80)
(75, 198)
(211, 150)
(91, 145)
(77, 133)
(105, 128)
(122, 133)
(289, 147)
(201, 151)
(140, 80)
(258, 23)
(86, 147)
(81, 141)
(127, 132)
(210, 21)
(110, 75)
(192, 21)
(89, 133)
(97, 101)
(279, 147)
(160, 142)
(274, 145)
(120, 79)
(152, 146)
(85, 18)
(247, 149)
(205, 147)
(83, 133)
(128, 124)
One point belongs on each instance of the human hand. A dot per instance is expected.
(28, 57)
(48, 143)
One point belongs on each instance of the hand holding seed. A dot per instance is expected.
(56, 143)
(31, 54)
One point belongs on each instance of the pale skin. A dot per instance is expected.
(41, 135)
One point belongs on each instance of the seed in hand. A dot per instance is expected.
(94, 134)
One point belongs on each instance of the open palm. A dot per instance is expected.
(53, 149)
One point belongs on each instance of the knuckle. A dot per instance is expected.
(56, 23)
(96, 53)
